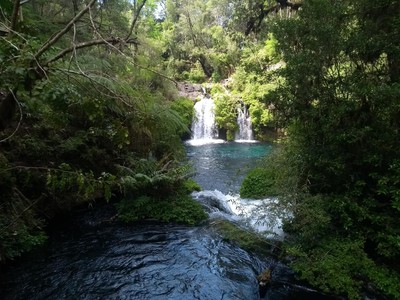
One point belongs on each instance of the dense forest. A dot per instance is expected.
(90, 112)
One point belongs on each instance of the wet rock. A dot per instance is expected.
(190, 90)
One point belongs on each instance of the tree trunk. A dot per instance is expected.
(394, 68)
(7, 109)
(207, 68)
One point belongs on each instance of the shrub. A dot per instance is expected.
(177, 206)
(180, 208)
(184, 107)
(190, 186)
(259, 183)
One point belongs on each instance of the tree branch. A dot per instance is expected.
(112, 41)
(254, 23)
(96, 82)
(50, 42)
(14, 16)
(31, 204)
(135, 19)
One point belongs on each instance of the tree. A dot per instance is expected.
(196, 33)
(339, 101)
(80, 118)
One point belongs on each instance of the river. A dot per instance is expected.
(95, 259)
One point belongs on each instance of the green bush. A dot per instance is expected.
(258, 183)
(190, 186)
(196, 74)
(341, 265)
(16, 238)
(226, 113)
(180, 208)
(184, 107)
(176, 206)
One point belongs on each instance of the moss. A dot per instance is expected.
(230, 135)
(245, 239)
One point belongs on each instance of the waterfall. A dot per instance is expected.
(204, 129)
(245, 132)
(254, 214)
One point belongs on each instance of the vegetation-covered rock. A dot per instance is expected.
(177, 207)
(245, 239)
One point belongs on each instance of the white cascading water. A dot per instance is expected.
(245, 132)
(251, 213)
(204, 129)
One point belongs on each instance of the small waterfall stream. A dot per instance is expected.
(248, 213)
(204, 129)
(204, 126)
(245, 132)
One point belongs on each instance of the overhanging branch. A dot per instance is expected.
(135, 19)
(112, 41)
(50, 42)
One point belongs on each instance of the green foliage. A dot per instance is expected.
(93, 125)
(337, 98)
(258, 183)
(190, 185)
(16, 237)
(226, 106)
(184, 108)
(82, 186)
(152, 177)
(179, 208)
(335, 263)
(20, 227)
(196, 74)
(198, 46)
(254, 81)
(340, 265)
(277, 175)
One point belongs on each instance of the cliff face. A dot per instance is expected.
(190, 90)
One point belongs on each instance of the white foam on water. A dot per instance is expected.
(201, 142)
(246, 141)
(255, 214)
